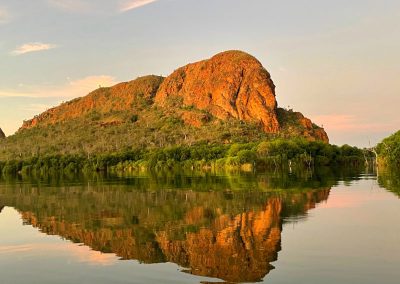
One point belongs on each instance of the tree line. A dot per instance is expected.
(275, 154)
(388, 150)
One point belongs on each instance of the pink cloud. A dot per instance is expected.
(348, 123)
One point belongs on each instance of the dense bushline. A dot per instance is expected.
(275, 154)
(389, 150)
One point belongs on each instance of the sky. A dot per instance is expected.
(337, 62)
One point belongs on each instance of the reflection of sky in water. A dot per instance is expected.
(354, 237)
(29, 256)
(29, 242)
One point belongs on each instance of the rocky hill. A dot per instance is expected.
(2, 135)
(227, 98)
(231, 84)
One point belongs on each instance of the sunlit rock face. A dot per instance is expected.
(234, 236)
(232, 84)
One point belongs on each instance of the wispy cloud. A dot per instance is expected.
(86, 6)
(5, 16)
(133, 4)
(32, 47)
(70, 5)
(71, 89)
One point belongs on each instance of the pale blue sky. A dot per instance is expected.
(335, 61)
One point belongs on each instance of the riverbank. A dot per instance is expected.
(277, 154)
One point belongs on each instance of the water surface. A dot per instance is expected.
(192, 228)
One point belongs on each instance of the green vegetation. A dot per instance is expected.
(277, 154)
(389, 150)
(294, 124)
(120, 131)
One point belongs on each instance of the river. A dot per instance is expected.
(326, 227)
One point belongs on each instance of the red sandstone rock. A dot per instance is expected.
(231, 84)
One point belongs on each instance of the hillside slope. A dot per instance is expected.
(228, 98)
(123, 97)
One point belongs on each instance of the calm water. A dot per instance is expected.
(160, 228)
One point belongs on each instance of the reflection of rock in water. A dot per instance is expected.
(233, 239)
(238, 248)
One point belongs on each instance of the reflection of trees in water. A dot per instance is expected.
(225, 232)
(198, 180)
(390, 179)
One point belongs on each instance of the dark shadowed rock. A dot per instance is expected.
(2, 135)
